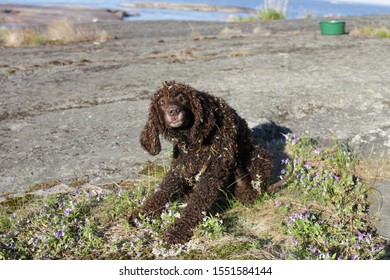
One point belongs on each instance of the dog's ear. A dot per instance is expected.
(149, 137)
(204, 116)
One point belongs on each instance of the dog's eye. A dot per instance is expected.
(181, 99)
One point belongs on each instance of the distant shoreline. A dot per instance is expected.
(15, 15)
(189, 7)
(368, 2)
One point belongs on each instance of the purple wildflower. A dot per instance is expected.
(120, 191)
(294, 217)
(355, 257)
(360, 236)
(319, 151)
(295, 241)
(312, 249)
(59, 234)
(285, 161)
(67, 211)
(283, 171)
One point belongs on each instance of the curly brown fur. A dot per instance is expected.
(213, 149)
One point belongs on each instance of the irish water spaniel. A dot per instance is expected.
(213, 149)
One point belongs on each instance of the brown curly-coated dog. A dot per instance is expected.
(213, 149)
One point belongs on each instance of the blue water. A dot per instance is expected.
(296, 8)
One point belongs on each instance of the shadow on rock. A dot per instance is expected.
(271, 136)
(387, 251)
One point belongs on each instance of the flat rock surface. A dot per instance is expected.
(77, 110)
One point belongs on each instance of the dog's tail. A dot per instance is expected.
(280, 183)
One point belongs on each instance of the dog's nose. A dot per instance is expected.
(173, 110)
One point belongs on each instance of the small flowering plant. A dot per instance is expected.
(151, 229)
(336, 225)
(318, 237)
(61, 226)
(212, 227)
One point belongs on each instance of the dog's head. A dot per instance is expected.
(175, 110)
(179, 113)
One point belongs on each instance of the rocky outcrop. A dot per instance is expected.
(23, 15)
(77, 110)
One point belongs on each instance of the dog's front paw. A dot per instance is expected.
(174, 238)
(180, 236)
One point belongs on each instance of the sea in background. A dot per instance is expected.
(295, 9)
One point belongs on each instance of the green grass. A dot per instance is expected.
(273, 10)
(263, 15)
(271, 14)
(321, 213)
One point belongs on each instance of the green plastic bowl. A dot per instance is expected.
(332, 27)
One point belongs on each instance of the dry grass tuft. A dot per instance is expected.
(371, 31)
(21, 37)
(372, 170)
(65, 32)
(56, 33)
(231, 31)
